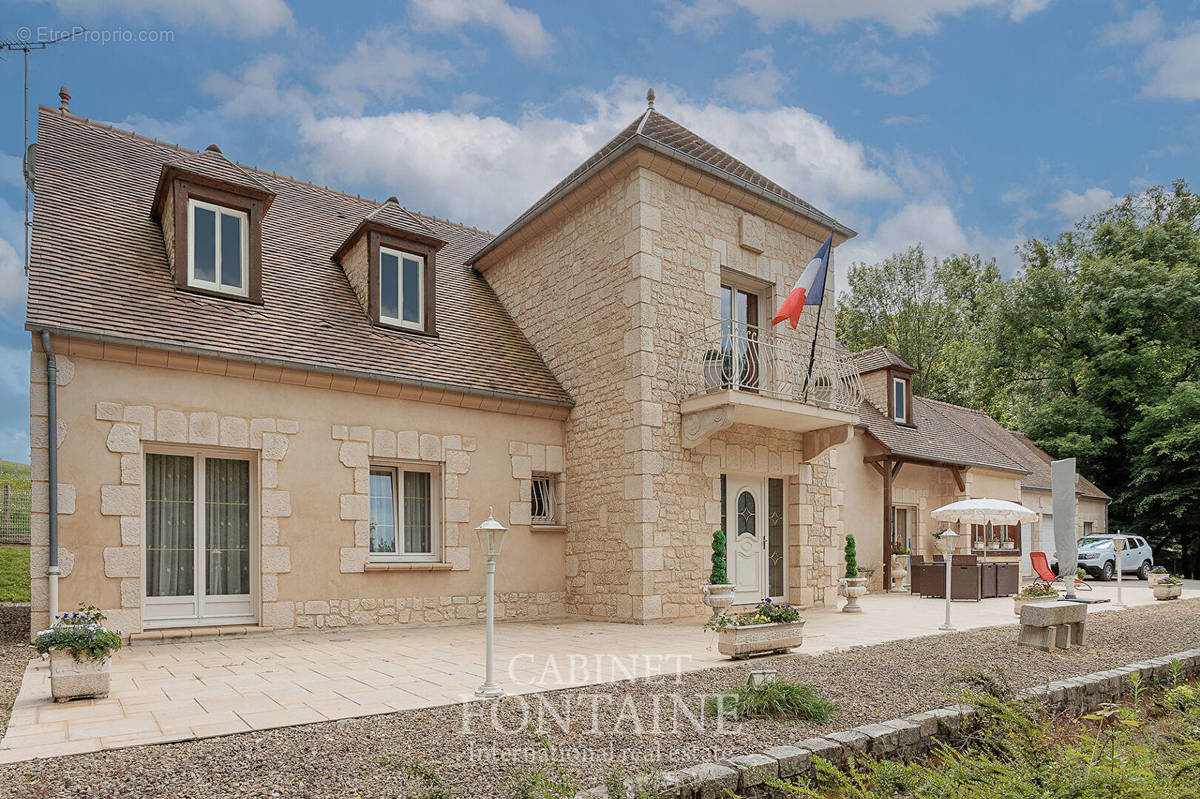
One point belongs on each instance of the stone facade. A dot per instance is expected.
(633, 243)
(333, 613)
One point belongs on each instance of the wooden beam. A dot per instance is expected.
(875, 465)
(887, 524)
(958, 477)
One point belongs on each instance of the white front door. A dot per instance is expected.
(200, 563)
(756, 538)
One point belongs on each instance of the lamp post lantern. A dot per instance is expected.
(1118, 543)
(946, 542)
(491, 540)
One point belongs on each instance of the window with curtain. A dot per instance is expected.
(226, 526)
(170, 526)
(403, 514)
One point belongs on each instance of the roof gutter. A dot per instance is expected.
(641, 140)
(282, 363)
(52, 571)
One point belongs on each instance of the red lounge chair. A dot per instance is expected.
(1041, 566)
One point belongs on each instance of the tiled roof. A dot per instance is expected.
(99, 267)
(656, 129)
(880, 358)
(944, 433)
(212, 163)
(391, 214)
(1038, 461)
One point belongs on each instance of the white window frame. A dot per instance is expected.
(244, 218)
(551, 499)
(399, 320)
(900, 409)
(201, 608)
(435, 514)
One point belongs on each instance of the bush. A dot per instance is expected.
(718, 576)
(765, 612)
(851, 558)
(80, 633)
(1037, 589)
(779, 700)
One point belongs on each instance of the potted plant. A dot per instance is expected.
(767, 628)
(718, 594)
(853, 585)
(714, 369)
(899, 565)
(1037, 591)
(1156, 575)
(1168, 588)
(80, 650)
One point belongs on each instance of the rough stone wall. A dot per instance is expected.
(876, 385)
(168, 228)
(570, 289)
(331, 613)
(355, 265)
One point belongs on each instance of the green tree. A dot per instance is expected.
(929, 312)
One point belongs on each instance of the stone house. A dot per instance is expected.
(937, 453)
(280, 406)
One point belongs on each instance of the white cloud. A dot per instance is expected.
(886, 73)
(385, 66)
(487, 170)
(933, 224)
(523, 29)
(1142, 27)
(905, 17)
(244, 18)
(1174, 65)
(12, 276)
(757, 83)
(1073, 205)
(257, 89)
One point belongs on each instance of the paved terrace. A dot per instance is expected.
(220, 686)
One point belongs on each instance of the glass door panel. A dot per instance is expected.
(227, 526)
(170, 526)
(776, 561)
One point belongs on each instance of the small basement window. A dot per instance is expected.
(544, 500)
(404, 523)
(218, 255)
(401, 288)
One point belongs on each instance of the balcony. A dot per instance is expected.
(733, 373)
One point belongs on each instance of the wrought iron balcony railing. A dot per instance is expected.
(734, 356)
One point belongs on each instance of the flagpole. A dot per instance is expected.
(812, 356)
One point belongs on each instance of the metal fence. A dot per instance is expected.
(14, 514)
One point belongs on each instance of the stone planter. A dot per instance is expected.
(714, 373)
(899, 571)
(853, 588)
(77, 679)
(1165, 592)
(717, 596)
(1154, 578)
(1020, 601)
(742, 641)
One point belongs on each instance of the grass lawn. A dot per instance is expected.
(15, 474)
(14, 574)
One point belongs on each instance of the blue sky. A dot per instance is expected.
(968, 125)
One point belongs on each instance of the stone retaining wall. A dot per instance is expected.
(898, 739)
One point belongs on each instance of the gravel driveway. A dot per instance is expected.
(366, 757)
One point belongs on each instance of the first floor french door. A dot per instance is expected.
(754, 532)
(200, 565)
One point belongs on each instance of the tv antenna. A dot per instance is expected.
(29, 152)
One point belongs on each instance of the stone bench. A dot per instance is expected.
(1046, 625)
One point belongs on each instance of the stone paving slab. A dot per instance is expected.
(180, 690)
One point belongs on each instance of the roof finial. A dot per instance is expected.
(64, 99)
(650, 98)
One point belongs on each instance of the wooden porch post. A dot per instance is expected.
(890, 470)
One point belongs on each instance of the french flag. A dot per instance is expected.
(809, 289)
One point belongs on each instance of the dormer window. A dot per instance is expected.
(218, 251)
(900, 400)
(401, 288)
(211, 211)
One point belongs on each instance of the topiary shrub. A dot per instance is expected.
(718, 576)
(851, 558)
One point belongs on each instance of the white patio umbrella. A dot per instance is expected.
(982, 511)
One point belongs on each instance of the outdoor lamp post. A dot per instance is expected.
(946, 542)
(491, 540)
(1118, 543)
